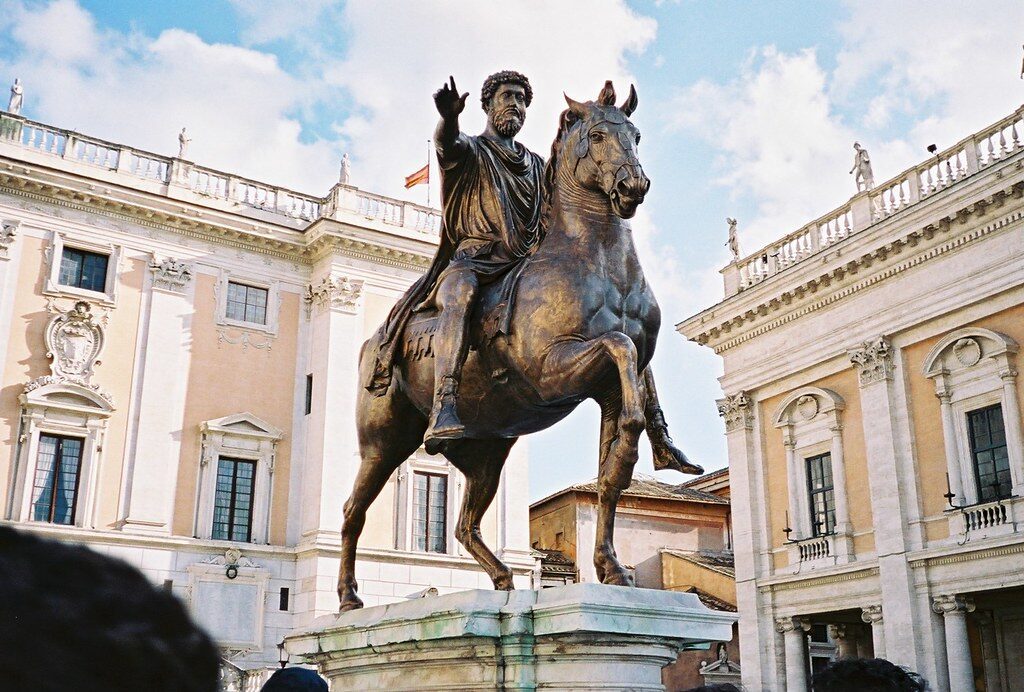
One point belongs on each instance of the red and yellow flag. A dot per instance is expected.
(418, 178)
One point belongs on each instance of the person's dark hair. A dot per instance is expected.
(866, 675)
(492, 83)
(715, 687)
(72, 619)
(295, 680)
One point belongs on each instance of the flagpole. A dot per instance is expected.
(428, 172)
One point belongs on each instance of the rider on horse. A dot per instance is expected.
(491, 194)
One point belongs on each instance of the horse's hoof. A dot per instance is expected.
(667, 456)
(504, 583)
(351, 603)
(619, 577)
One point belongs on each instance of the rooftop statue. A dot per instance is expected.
(345, 174)
(734, 242)
(863, 176)
(537, 287)
(183, 142)
(17, 98)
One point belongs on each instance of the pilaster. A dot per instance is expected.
(163, 361)
(954, 609)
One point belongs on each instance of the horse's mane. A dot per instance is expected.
(547, 189)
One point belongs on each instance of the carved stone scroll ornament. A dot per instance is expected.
(737, 412)
(873, 360)
(170, 274)
(342, 293)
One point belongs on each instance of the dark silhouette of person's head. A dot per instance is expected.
(866, 675)
(72, 619)
(715, 687)
(295, 680)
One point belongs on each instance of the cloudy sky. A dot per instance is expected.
(747, 109)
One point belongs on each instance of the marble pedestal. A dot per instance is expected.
(580, 636)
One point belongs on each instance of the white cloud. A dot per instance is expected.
(392, 68)
(272, 20)
(239, 105)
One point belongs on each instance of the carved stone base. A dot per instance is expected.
(580, 636)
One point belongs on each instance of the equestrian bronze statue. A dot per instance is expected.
(569, 316)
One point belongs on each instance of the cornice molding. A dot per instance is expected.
(813, 285)
(189, 222)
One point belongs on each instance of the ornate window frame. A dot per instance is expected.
(810, 421)
(273, 288)
(239, 436)
(50, 406)
(973, 368)
(420, 462)
(55, 251)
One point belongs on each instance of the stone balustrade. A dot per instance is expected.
(945, 168)
(207, 182)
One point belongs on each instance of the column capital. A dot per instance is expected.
(792, 623)
(952, 603)
(341, 293)
(871, 614)
(737, 410)
(873, 360)
(1008, 375)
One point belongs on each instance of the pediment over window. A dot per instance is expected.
(965, 348)
(70, 396)
(806, 404)
(245, 425)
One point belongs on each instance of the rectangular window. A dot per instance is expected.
(247, 303)
(822, 495)
(430, 512)
(988, 453)
(282, 603)
(55, 487)
(232, 504)
(83, 269)
(309, 394)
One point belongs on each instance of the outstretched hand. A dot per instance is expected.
(449, 103)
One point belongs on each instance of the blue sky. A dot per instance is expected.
(748, 109)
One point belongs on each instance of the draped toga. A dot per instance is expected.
(491, 198)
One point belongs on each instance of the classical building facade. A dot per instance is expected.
(179, 349)
(873, 417)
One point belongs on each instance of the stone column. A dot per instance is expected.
(892, 497)
(796, 508)
(793, 631)
(839, 480)
(989, 650)
(1014, 441)
(954, 611)
(845, 640)
(872, 615)
(956, 485)
(749, 523)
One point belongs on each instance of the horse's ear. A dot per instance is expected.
(577, 108)
(631, 101)
(607, 95)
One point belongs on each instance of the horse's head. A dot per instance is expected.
(599, 148)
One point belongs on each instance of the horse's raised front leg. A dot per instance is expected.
(481, 462)
(579, 367)
(666, 454)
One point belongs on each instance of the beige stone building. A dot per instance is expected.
(873, 417)
(673, 537)
(179, 350)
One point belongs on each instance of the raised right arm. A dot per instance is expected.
(449, 141)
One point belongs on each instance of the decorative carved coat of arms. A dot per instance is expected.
(73, 342)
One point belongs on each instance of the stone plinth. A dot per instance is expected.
(580, 636)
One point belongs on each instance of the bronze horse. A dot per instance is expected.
(584, 326)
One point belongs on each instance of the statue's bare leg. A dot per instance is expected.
(666, 454)
(582, 367)
(481, 462)
(390, 430)
(455, 297)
